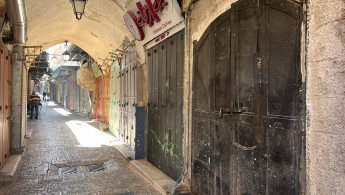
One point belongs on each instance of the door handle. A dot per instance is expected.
(223, 111)
(239, 110)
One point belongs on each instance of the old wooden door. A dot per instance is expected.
(114, 121)
(128, 96)
(100, 98)
(248, 100)
(165, 126)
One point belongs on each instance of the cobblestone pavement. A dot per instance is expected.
(60, 139)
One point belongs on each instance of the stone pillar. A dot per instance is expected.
(325, 131)
(18, 100)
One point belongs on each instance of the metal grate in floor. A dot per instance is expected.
(68, 170)
(96, 168)
(125, 193)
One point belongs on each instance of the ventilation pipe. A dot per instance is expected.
(17, 18)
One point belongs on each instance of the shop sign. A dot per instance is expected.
(165, 35)
(148, 19)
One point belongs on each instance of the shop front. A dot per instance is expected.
(162, 34)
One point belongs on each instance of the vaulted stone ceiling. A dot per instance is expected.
(100, 30)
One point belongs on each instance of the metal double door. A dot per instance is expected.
(165, 127)
(247, 131)
(128, 99)
(5, 105)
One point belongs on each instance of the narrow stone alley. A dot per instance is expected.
(65, 139)
(175, 97)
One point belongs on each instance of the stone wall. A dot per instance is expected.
(326, 97)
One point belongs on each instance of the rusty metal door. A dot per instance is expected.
(5, 105)
(165, 126)
(76, 98)
(71, 93)
(8, 106)
(100, 98)
(211, 93)
(128, 96)
(65, 92)
(247, 102)
(2, 107)
(85, 101)
(59, 91)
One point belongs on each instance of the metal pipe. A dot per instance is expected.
(16, 14)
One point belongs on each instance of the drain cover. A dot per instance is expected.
(126, 193)
(95, 168)
(68, 170)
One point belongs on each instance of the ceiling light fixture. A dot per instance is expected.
(66, 54)
(78, 7)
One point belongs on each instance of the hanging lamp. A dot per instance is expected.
(78, 8)
(66, 54)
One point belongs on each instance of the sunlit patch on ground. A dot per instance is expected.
(89, 136)
(52, 104)
(62, 111)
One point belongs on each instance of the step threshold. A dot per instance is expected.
(156, 177)
(9, 169)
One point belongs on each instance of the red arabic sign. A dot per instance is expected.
(148, 14)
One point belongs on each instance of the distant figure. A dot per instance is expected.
(34, 101)
(44, 96)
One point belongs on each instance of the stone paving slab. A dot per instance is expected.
(55, 143)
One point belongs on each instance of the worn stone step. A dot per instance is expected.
(9, 169)
(102, 125)
(156, 177)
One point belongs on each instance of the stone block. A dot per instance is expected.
(322, 12)
(338, 77)
(325, 42)
(325, 163)
(326, 114)
(320, 74)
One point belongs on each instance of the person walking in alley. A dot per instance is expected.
(34, 101)
(44, 96)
